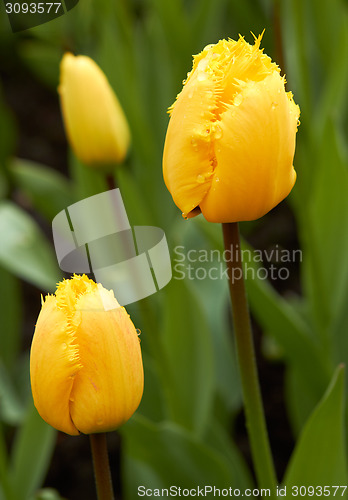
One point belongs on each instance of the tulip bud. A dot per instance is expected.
(85, 363)
(230, 141)
(94, 120)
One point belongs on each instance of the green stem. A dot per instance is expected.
(255, 418)
(101, 466)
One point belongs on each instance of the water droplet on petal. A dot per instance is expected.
(100, 421)
(274, 105)
(218, 132)
(185, 216)
(138, 331)
(200, 178)
(237, 101)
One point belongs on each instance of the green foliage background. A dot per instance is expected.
(183, 431)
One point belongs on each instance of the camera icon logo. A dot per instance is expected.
(94, 236)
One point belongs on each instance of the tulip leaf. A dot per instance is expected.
(48, 190)
(88, 181)
(24, 250)
(10, 313)
(161, 455)
(32, 451)
(138, 213)
(11, 409)
(319, 458)
(325, 235)
(192, 257)
(43, 60)
(188, 371)
(220, 440)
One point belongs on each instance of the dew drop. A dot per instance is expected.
(238, 100)
(218, 132)
(274, 105)
(64, 346)
(100, 421)
(200, 178)
(71, 399)
(138, 331)
(185, 216)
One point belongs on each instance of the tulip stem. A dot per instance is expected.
(101, 466)
(254, 412)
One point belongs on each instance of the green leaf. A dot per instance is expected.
(320, 456)
(11, 409)
(188, 372)
(280, 319)
(325, 235)
(48, 190)
(88, 181)
(132, 195)
(161, 455)
(24, 250)
(300, 396)
(213, 298)
(152, 404)
(220, 440)
(10, 313)
(43, 59)
(32, 451)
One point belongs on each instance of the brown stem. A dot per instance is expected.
(111, 181)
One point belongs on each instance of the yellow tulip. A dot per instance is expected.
(230, 141)
(85, 363)
(94, 120)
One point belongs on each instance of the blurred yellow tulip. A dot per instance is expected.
(230, 141)
(85, 363)
(94, 120)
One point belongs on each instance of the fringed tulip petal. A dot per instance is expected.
(241, 166)
(108, 388)
(85, 364)
(54, 364)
